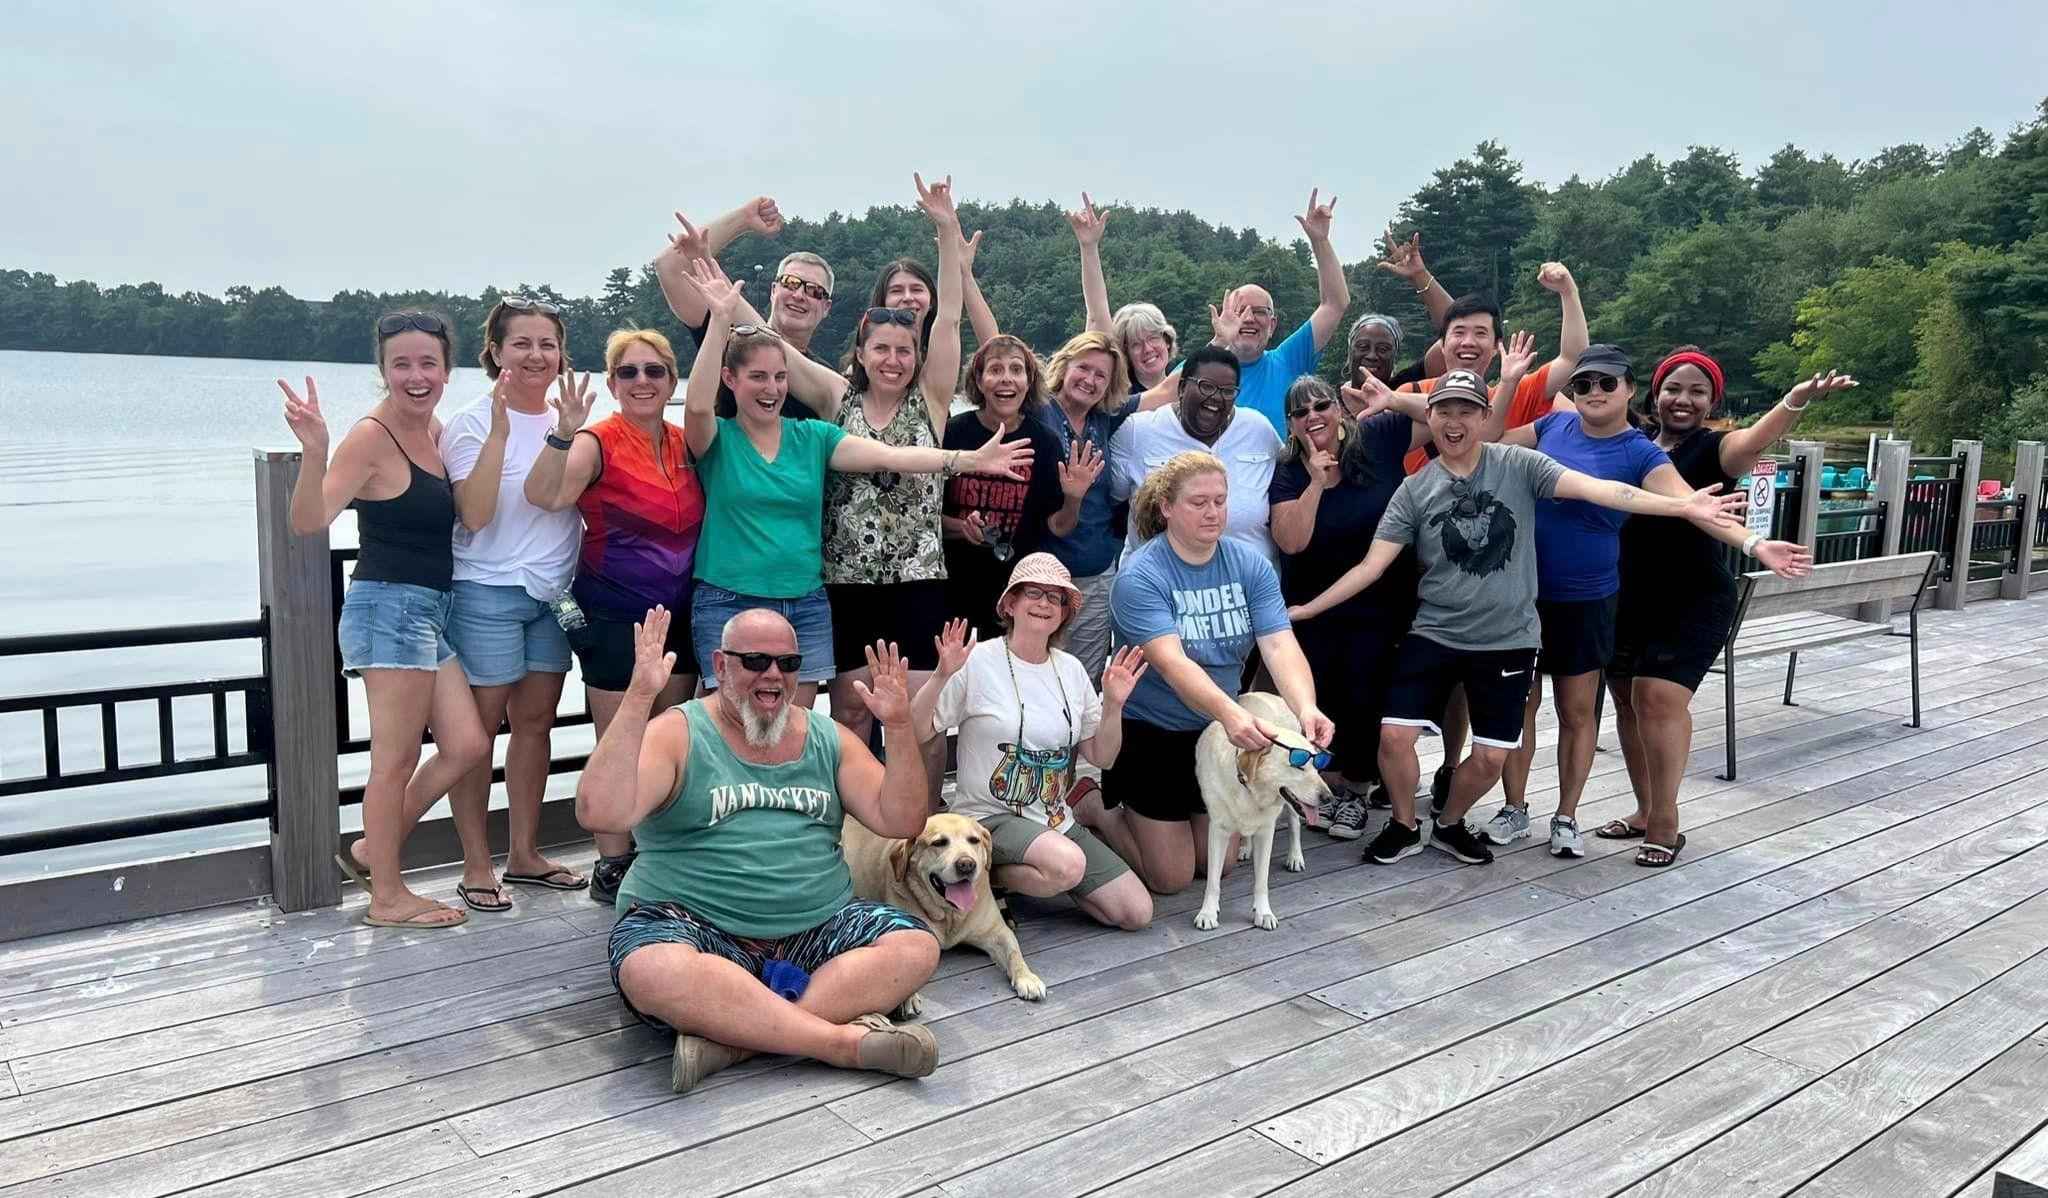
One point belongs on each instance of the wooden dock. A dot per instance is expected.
(1839, 990)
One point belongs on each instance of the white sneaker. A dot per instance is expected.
(1564, 837)
(1509, 824)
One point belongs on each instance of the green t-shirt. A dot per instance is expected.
(753, 849)
(763, 521)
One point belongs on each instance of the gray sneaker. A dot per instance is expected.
(1564, 837)
(1346, 818)
(1509, 824)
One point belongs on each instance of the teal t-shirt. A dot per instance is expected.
(764, 521)
(752, 849)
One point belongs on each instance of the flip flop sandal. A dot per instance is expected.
(548, 879)
(1670, 854)
(469, 898)
(418, 919)
(1628, 831)
(356, 873)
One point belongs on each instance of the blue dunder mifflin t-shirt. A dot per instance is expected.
(1218, 609)
(1578, 544)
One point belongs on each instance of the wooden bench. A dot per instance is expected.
(1774, 616)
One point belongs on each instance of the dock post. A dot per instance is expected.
(1894, 466)
(1954, 591)
(2026, 483)
(1808, 455)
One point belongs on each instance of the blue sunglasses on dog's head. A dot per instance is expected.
(1320, 758)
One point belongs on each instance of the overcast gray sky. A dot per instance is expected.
(443, 144)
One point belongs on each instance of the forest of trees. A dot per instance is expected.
(1922, 271)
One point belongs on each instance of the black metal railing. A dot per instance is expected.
(1930, 519)
(1995, 543)
(1865, 540)
(104, 705)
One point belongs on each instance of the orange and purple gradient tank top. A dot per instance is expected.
(640, 524)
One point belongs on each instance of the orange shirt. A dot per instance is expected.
(1531, 402)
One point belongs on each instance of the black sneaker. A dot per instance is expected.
(1440, 789)
(1460, 842)
(1394, 842)
(605, 877)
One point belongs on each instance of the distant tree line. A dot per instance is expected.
(1922, 271)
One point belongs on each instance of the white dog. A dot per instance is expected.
(1245, 794)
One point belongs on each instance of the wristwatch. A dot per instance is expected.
(555, 442)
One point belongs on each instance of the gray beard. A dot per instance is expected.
(761, 731)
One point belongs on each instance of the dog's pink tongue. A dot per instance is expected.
(961, 895)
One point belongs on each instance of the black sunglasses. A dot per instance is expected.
(397, 322)
(907, 317)
(523, 304)
(754, 330)
(793, 283)
(754, 663)
(1584, 384)
(1467, 507)
(629, 372)
(1321, 405)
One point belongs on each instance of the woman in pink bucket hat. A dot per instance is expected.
(1027, 715)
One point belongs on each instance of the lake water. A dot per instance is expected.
(127, 499)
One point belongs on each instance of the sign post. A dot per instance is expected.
(1763, 495)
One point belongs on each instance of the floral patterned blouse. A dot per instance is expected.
(883, 528)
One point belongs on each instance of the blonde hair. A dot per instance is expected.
(621, 340)
(1091, 342)
(1163, 486)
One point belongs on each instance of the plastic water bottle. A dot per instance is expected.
(568, 613)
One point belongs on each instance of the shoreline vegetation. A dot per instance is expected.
(1923, 272)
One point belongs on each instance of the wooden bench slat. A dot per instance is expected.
(1750, 653)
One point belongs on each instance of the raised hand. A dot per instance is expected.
(888, 697)
(501, 401)
(1087, 223)
(1517, 355)
(1006, 459)
(1120, 677)
(1786, 559)
(968, 247)
(1709, 506)
(652, 662)
(690, 244)
(1370, 397)
(936, 201)
(1316, 221)
(1081, 468)
(572, 401)
(1556, 278)
(763, 216)
(306, 421)
(720, 293)
(954, 643)
(1225, 323)
(1404, 258)
(1799, 396)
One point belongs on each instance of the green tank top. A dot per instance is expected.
(751, 849)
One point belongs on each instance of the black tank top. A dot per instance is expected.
(409, 538)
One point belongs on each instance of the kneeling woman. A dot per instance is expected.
(1024, 709)
(1196, 602)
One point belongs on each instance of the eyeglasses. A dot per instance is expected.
(793, 283)
(628, 372)
(398, 322)
(1319, 406)
(1584, 384)
(1032, 594)
(1205, 389)
(755, 663)
(907, 317)
(1261, 311)
(523, 304)
(754, 330)
(1320, 758)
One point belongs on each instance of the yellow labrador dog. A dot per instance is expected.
(1245, 794)
(942, 878)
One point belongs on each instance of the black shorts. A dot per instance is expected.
(1154, 774)
(1675, 642)
(912, 614)
(1496, 685)
(604, 649)
(1578, 636)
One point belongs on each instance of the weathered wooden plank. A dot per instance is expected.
(356, 1169)
(716, 1168)
(2022, 1170)
(1944, 1144)
(1239, 1166)
(7, 1087)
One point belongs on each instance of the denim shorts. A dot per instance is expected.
(809, 614)
(502, 634)
(393, 626)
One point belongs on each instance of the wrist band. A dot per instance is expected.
(1749, 546)
(555, 442)
(1793, 407)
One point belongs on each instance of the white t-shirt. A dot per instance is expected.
(1060, 709)
(522, 546)
(1248, 448)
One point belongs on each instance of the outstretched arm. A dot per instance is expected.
(1703, 507)
(1516, 355)
(700, 400)
(942, 356)
(758, 215)
(1354, 580)
(1333, 292)
(1088, 224)
(980, 317)
(1571, 337)
(1741, 448)
(864, 455)
(1786, 559)
(631, 773)
(1404, 258)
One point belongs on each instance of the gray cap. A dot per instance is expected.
(1461, 384)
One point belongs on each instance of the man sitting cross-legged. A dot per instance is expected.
(736, 802)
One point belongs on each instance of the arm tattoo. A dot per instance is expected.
(1623, 493)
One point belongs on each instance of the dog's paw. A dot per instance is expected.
(1205, 919)
(1027, 986)
(911, 1006)
(1266, 919)
(1296, 862)
(1244, 851)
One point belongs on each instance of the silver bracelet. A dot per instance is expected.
(1792, 407)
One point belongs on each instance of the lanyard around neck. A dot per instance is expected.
(1066, 710)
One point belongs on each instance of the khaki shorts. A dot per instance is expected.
(1013, 836)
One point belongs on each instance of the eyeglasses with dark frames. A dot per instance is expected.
(397, 322)
(1205, 389)
(629, 371)
(907, 317)
(1319, 406)
(794, 283)
(755, 663)
(1584, 384)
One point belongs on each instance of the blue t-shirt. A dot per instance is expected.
(1578, 544)
(1218, 609)
(1263, 387)
(1098, 534)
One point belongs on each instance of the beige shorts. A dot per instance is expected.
(1013, 836)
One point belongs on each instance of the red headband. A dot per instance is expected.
(1689, 357)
